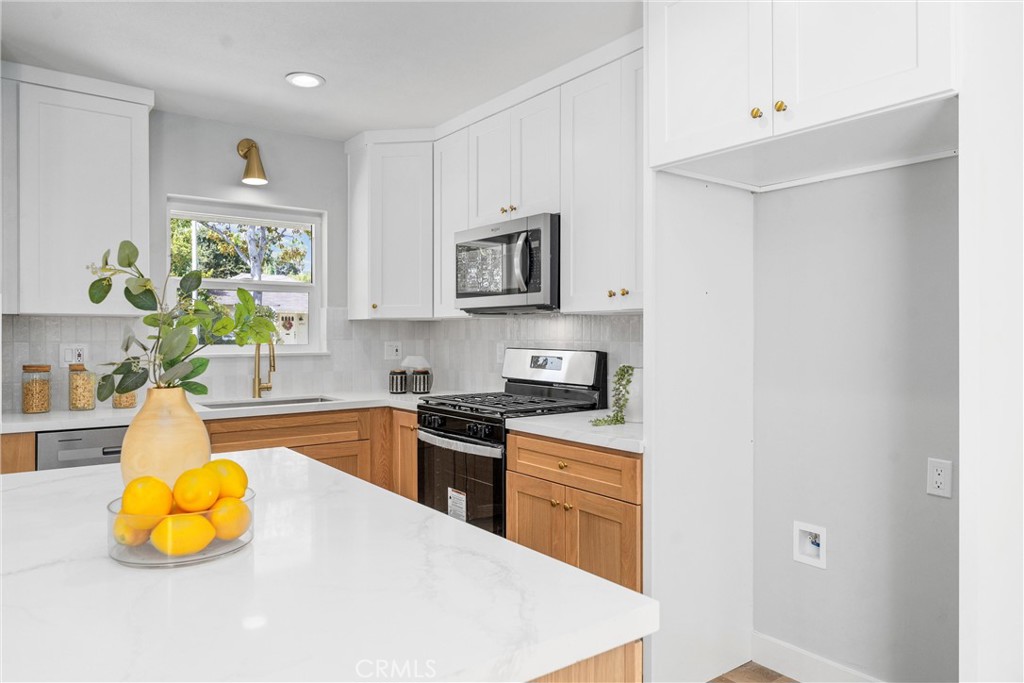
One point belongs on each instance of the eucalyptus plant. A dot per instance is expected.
(182, 326)
(620, 398)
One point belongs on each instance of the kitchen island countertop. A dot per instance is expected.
(344, 581)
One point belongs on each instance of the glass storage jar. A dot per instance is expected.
(35, 388)
(81, 388)
(124, 400)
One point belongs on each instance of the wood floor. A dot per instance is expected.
(752, 672)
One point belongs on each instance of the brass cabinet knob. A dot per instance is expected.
(624, 292)
(503, 210)
(554, 503)
(780, 106)
(756, 113)
(373, 306)
(561, 465)
(567, 506)
(611, 293)
(512, 207)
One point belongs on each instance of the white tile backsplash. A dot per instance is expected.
(463, 352)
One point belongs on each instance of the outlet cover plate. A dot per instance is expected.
(73, 353)
(392, 350)
(940, 478)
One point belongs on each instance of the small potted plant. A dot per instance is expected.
(167, 437)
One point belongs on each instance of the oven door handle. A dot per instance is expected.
(435, 439)
(517, 262)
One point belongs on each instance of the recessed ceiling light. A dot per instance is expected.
(304, 79)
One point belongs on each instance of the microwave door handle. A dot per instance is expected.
(517, 262)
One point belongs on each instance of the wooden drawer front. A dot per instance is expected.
(598, 471)
(352, 457)
(289, 431)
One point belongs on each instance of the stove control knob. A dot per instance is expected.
(437, 422)
(487, 431)
(474, 430)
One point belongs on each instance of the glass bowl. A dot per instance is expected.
(141, 540)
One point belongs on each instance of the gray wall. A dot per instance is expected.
(855, 368)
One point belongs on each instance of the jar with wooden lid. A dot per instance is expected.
(81, 388)
(127, 400)
(35, 389)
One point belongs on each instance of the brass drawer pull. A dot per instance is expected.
(554, 503)
(756, 113)
(562, 465)
(503, 210)
(567, 506)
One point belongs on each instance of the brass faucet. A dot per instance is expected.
(258, 385)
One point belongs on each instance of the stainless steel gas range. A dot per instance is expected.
(461, 452)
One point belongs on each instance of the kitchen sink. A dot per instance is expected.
(251, 402)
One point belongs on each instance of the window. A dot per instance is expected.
(275, 254)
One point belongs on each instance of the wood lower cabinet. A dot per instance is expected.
(404, 438)
(557, 504)
(17, 453)
(622, 665)
(352, 457)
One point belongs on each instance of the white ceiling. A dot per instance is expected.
(387, 64)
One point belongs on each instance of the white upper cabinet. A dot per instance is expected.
(601, 225)
(390, 231)
(451, 214)
(82, 187)
(724, 74)
(837, 59)
(711, 70)
(513, 162)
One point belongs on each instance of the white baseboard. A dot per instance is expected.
(802, 665)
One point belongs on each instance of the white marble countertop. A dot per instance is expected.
(344, 581)
(576, 427)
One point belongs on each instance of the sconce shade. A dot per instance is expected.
(254, 173)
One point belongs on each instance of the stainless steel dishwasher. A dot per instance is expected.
(56, 450)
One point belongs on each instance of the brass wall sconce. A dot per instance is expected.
(254, 173)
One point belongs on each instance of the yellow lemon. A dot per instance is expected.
(126, 534)
(182, 534)
(196, 489)
(230, 517)
(233, 479)
(146, 500)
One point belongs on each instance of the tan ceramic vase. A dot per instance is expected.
(165, 438)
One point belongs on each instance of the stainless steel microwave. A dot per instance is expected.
(509, 267)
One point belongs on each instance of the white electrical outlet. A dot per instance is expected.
(392, 350)
(940, 478)
(73, 353)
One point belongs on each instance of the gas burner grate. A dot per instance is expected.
(507, 404)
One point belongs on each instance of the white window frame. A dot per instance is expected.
(238, 212)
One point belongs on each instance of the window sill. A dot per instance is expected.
(250, 352)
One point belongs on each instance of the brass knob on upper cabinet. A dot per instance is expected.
(512, 207)
(373, 306)
(756, 113)
(554, 503)
(503, 210)
(624, 292)
(780, 106)
(611, 293)
(561, 465)
(567, 506)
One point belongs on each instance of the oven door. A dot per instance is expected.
(462, 479)
(508, 265)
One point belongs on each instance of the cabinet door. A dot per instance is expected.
(83, 174)
(833, 60)
(534, 137)
(403, 430)
(352, 457)
(603, 537)
(602, 227)
(490, 165)
(710, 66)
(451, 214)
(401, 230)
(536, 515)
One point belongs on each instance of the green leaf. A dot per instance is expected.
(173, 343)
(132, 381)
(223, 327)
(199, 366)
(190, 281)
(122, 368)
(200, 305)
(195, 388)
(177, 372)
(264, 325)
(153, 320)
(138, 284)
(106, 258)
(105, 388)
(246, 301)
(127, 254)
(145, 300)
(99, 289)
(127, 338)
(187, 320)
